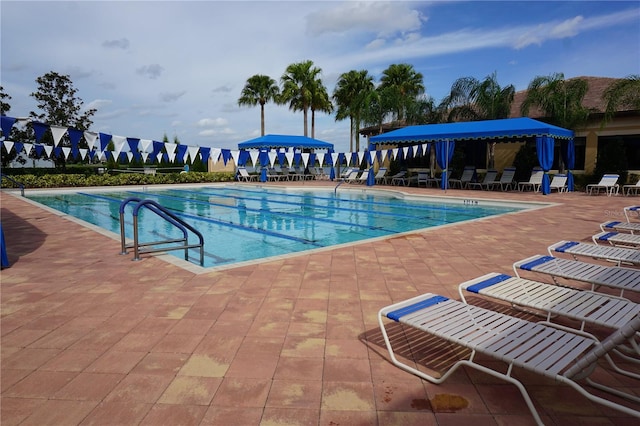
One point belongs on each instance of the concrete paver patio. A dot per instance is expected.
(89, 337)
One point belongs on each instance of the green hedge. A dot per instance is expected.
(116, 179)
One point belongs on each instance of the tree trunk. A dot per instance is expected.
(262, 119)
(305, 114)
(313, 123)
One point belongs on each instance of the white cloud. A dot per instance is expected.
(212, 122)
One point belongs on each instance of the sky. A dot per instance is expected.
(177, 68)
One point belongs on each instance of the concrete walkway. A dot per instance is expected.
(90, 337)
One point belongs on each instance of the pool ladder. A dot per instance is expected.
(143, 248)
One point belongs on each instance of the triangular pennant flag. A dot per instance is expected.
(253, 154)
(159, 157)
(144, 155)
(66, 150)
(394, 151)
(27, 148)
(146, 145)
(104, 141)
(305, 159)
(320, 159)
(334, 158)
(6, 123)
(129, 156)
(74, 136)
(48, 149)
(90, 137)
(214, 154)
(405, 151)
(133, 144)
(39, 150)
(39, 129)
(58, 133)
(83, 153)
(226, 155)
(235, 154)
(171, 150)
(272, 157)
(372, 157)
(19, 146)
(360, 157)
(118, 144)
(193, 152)
(181, 153)
(289, 157)
(8, 145)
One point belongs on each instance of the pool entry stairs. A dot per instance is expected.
(153, 247)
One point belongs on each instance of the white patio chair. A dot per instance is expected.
(467, 175)
(488, 181)
(549, 350)
(619, 255)
(559, 183)
(608, 183)
(628, 189)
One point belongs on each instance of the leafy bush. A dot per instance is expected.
(120, 179)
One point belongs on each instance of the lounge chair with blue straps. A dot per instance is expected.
(621, 239)
(587, 307)
(613, 277)
(552, 351)
(619, 255)
(629, 189)
(615, 225)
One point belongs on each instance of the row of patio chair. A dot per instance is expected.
(547, 348)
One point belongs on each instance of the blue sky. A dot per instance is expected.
(177, 68)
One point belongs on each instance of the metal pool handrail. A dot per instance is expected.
(15, 182)
(165, 214)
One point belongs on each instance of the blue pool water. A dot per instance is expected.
(242, 223)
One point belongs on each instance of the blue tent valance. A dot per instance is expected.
(285, 141)
(508, 128)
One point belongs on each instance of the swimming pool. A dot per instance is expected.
(244, 223)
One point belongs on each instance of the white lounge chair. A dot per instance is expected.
(399, 178)
(616, 225)
(488, 181)
(618, 239)
(535, 181)
(363, 177)
(559, 183)
(613, 277)
(244, 176)
(423, 179)
(608, 183)
(587, 307)
(506, 181)
(628, 189)
(547, 350)
(619, 255)
(467, 176)
(380, 175)
(631, 210)
(352, 176)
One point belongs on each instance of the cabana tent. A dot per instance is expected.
(285, 141)
(267, 142)
(503, 130)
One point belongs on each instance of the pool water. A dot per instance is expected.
(242, 223)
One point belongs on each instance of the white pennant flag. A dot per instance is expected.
(372, 156)
(424, 148)
(58, 132)
(146, 145)
(91, 138)
(193, 152)
(145, 155)
(272, 157)
(27, 148)
(215, 155)
(66, 151)
(360, 157)
(254, 157)
(159, 157)
(130, 156)
(118, 144)
(289, 157)
(235, 154)
(394, 151)
(334, 158)
(320, 158)
(405, 151)
(8, 145)
(83, 153)
(171, 148)
(305, 158)
(48, 149)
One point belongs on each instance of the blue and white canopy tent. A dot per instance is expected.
(268, 143)
(504, 130)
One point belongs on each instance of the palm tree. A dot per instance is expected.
(623, 93)
(298, 82)
(472, 100)
(559, 100)
(407, 84)
(259, 89)
(319, 102)
(350, 94)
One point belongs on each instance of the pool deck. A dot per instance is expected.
(89, 337)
